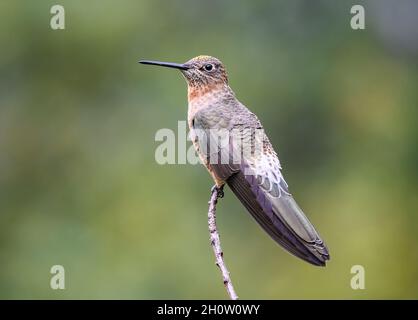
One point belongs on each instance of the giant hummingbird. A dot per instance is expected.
(255, 178)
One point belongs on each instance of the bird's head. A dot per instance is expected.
(205, 71)
(201, 72)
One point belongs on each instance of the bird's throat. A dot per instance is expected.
(202, 92)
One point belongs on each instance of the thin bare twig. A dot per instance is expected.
(216, 244)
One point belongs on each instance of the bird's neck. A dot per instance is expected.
(200, 97)
(198, 92)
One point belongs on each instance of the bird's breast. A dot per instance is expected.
(199, 103)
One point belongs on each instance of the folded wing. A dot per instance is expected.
(257, 182)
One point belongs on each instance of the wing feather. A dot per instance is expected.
(258, 183)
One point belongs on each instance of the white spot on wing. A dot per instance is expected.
(267, 166)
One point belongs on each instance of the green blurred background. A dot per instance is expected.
(79, 185)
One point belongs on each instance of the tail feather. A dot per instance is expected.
(281, 218)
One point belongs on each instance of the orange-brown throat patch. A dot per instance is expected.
(195, 92)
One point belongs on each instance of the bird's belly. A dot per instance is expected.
(204, 157)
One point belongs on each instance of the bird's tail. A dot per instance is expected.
(281, 218)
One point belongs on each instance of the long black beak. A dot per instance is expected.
(165, 64)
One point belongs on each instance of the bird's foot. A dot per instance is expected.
(219, 190)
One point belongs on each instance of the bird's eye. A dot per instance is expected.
(208, 67)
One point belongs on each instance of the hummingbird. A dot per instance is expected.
(255, 179)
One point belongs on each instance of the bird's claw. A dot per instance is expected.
(219, 190)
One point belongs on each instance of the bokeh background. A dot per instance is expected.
(79, 185)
